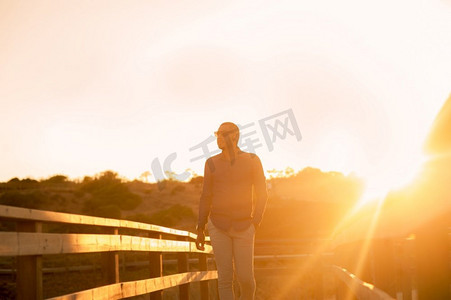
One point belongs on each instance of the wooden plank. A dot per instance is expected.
(432, 260)
(384, 265)
(183, 267)
(25, 243)
(110, 262)
(156, 267)
(203, 266)
(405, 255)
(139, 287)
(29, 268)
(18, 213)
(361, 289)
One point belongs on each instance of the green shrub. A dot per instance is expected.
(140, 218)
(57, 179)
(177, 188)
(79, 193)
(167, 217)
(107, 190)
(35, 199)
(108, 211)
(17, 184)
(198, 180)
(172, 215)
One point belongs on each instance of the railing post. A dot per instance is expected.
(340, 293)
(203, 284)
(432, 260)
(182, 259)
(156, 266)
(384, 266)
(342, 259)
(110, 262)
(29, 268)
(405, 269)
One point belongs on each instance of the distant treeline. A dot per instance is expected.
(302, 204)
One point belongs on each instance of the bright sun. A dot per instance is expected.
(341, 151)
(393, 175)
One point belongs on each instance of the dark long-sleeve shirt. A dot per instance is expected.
(227, 194)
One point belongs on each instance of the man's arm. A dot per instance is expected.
(205, 198)
(259, 182)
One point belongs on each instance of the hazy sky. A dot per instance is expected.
(87, 86)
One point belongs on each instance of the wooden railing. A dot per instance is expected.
(350, 287)
(29, 243)
(414, 266)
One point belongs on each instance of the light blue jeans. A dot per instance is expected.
(234, 251)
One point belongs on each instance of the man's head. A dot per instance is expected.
(227, 135)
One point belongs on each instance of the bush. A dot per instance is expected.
(172, 215)
(14, 180)
(35, 199)
(56, 198)
(140, 218)
(57, 179)
(198, 180)
(79, 193)
(108, 211)
(108, 190)
(30, 182)
(17, 184)
(177, 188)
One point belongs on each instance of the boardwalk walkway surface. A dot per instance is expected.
(132, 259)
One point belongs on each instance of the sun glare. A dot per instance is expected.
(395, 175)
(340, 151)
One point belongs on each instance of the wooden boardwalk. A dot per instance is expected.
(386, 274)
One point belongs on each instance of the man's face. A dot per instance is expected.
(226, 137)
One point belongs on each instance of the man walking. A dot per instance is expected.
(227, 198)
